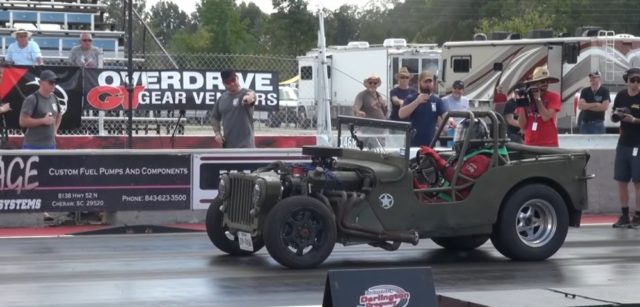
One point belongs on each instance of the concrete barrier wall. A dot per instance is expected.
(603, 198)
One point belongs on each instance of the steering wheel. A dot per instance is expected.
(427, 172)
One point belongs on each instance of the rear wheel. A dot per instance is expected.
(461, 243)
(532, 224)
(221, 237)
(300, 232)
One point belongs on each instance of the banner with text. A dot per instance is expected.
(105, 89)
(18, 82)
(32, 183)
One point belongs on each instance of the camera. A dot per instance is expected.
(522, 96)
(619, 113)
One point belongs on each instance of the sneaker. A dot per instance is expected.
(635, 221)
(623, 222)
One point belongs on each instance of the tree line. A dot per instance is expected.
(224, 27)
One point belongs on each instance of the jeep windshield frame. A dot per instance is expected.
(355, 126)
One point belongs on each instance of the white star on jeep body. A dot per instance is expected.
(386, 201)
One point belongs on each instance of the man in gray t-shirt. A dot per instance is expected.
(234, 110)
(85, 54)
(41, 114)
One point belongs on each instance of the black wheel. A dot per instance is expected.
(221, 237)
(300, 232)
(532, 224)
(461, 243)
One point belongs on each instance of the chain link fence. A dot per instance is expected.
(291, 118)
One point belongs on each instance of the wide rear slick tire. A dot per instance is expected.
(300, 232)
(532, 224)
(219, 235)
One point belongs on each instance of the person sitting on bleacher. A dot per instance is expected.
(85, 54)
(24, 51)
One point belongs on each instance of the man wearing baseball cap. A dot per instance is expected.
(455, 102)
(41, 114)
(594, 102)
(424, 110)
(538, 119)
(626, 168)
(233, 114)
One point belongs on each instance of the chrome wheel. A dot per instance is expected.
(536, 222)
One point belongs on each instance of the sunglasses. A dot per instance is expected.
(634, 80)
(86, 40)
(373, 82)
(427, 80)
(230, 80)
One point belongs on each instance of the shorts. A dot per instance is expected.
(626, 167)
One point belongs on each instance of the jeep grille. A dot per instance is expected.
(239, 202)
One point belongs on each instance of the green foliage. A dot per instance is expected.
(166, 18)
(115, 14)
(221, 26)
(516, 24)
(221, 18)
(292, 28)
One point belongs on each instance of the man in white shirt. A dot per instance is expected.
(24, 51)
(455, 102)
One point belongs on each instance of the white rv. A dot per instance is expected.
(485, 64)
(349, 65)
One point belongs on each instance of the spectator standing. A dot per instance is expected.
(500, 96)
(424, 109)
(24, 51)
(594, 102)
(627, 161)
(511, 117)
(538, 119)
(41, 115)
(400, 92)
(86, 55)
(370, 103)
(232, 117)
(455, 102)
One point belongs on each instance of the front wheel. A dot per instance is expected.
(300, 232)
(532, 224)
(461, 243)
(221, 237)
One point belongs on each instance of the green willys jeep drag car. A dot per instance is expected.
(369, 190)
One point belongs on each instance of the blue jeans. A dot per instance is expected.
(37, 147)
(592, 127)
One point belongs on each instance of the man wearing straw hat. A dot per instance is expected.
(370, 103)
(538, 118)
(24, 51)
(399, 93)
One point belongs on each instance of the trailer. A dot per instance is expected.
(485, 64)
(348, 66)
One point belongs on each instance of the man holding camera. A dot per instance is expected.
(594, 101)
(537, 110)
(626, 110)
